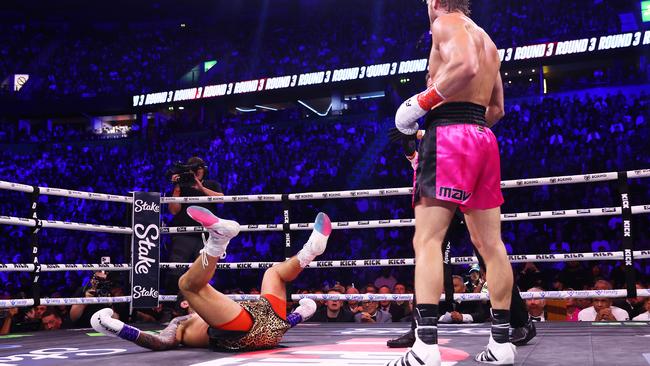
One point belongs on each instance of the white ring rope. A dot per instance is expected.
(237, 199)
(477, 296)
(566, 179)
(405, 191)
(48, 191)
(324, 297)
(374, 224)
(67, 225)
(345, 263)
(98, 300)
(336, 297)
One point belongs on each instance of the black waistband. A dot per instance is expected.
(456, 113)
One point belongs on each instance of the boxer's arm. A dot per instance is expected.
(457, 50)
(459, 66)
(495, 110)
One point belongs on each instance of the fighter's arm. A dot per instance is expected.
(459, 65)
(495, 110)
(102, 322)
(457, 51)
(166, 339)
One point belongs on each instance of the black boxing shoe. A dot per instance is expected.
(404, 341)
(522, 335)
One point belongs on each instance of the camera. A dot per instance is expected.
(185, 172)
(101, 285)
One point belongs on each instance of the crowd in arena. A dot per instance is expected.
(284, 152)
(251, 155)
(65, 60)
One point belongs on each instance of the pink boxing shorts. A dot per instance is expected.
(459, 161)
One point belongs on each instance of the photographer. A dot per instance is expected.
(99, 286)
(189, 181)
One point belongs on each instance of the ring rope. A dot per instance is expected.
(477, 296)
(67, 225)
(65, 193)
(566, 179)
(404, 191)
(514, 258)
(324, 297)
(374, 224)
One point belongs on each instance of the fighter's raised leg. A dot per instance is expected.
(277, 277)
(213, 306)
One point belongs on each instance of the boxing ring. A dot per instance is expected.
(611, 343)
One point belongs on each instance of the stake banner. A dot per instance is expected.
(145, 250)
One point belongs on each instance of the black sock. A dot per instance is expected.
(500, 325)
(518, 310)
(426, 311)
(426, 316)
(414, 323)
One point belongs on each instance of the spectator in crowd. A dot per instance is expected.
(530, 276)
(6, 318)
(462, 311)
(99, 286)
(333, 311)
(386, 279)
(352, 305)
(644, 316)
(574, 306)
(602, 309)
(574, 275)
(52, 320)
(372, 314)
(634, 306)
(400, 310)
(371, 289)
(475, 281)
(536, 307)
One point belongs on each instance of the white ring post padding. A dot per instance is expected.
(476, 296)
(236, 199)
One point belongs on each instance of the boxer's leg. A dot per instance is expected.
(214, 307)
(276, 277)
